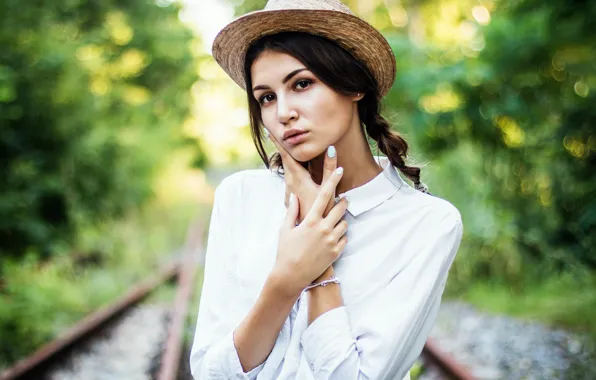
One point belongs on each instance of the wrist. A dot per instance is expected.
(329, 272)
(281, 285)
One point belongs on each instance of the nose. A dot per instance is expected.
(285, 112)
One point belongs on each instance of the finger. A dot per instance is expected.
(290, 164)
(326, 193)
(329, 165)
(337, 212)
(340, 230)
(287, 197)
(292, 212)
(286, 160)
(340, 247)
(282, 151)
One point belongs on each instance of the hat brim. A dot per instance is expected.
(353, 34)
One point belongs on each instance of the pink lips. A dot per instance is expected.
(291, 132)
(297, 138)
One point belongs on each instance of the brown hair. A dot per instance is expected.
(341, 71)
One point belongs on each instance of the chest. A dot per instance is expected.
(379, 247)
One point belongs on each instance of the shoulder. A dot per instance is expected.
(442, 210)
(435, 226)
(430, 210)
(248, 183)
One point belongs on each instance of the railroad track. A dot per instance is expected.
(105, 338)
(443, 365)
(159, 346)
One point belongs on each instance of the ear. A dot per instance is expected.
(358, 96)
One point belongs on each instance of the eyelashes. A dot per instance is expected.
(305, 82)
(262, 99)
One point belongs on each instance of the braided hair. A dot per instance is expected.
(389, 142)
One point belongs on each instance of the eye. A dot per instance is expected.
(265, 99)
(303, 83)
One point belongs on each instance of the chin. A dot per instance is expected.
(306, 152)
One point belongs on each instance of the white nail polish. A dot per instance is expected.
(331, 151)
(339, 171)
(340, 197)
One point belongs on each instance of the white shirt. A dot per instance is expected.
(401, 243)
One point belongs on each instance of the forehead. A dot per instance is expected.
(272, 66)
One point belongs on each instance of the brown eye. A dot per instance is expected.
(303, 83)
(264, 98)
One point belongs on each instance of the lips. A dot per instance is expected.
(297, 138)
(292, 132)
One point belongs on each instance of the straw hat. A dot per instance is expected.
(327, 18)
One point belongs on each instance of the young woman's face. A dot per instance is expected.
(301, 112)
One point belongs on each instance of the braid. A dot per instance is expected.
(390, 143)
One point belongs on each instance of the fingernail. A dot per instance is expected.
(339, 171)
(266, 132)
(331, 151)
(340, 197)
(292, 198)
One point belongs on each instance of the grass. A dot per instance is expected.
(563, 300)
(39, 300)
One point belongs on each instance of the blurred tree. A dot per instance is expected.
(92, 96)
(522, 91)
(500, 95)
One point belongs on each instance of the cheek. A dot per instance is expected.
(268, 120)
(332, 117)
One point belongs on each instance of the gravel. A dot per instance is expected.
(501, 347)
(126, 350)
(491, 346)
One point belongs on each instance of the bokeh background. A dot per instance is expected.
(116, 124)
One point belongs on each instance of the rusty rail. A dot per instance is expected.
(445, 362)
(185, 270)
(193, 251)
(23, 369)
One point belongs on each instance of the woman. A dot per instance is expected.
(327, 288)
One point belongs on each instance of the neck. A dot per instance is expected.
(354, 155)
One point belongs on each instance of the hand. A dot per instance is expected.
(305, 251)
(299, 181)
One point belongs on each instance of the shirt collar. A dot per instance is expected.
(376, 191)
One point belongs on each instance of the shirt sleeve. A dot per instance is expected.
(213, 355)
(386, 343)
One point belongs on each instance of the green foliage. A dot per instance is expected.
(92, 99)
(41, 299)
(524, 113)
(547, 301)
(92, 95)
(501, 118)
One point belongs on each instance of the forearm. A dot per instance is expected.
(321, 299)
(255, 337)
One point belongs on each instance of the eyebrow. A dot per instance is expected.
(284, 81)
